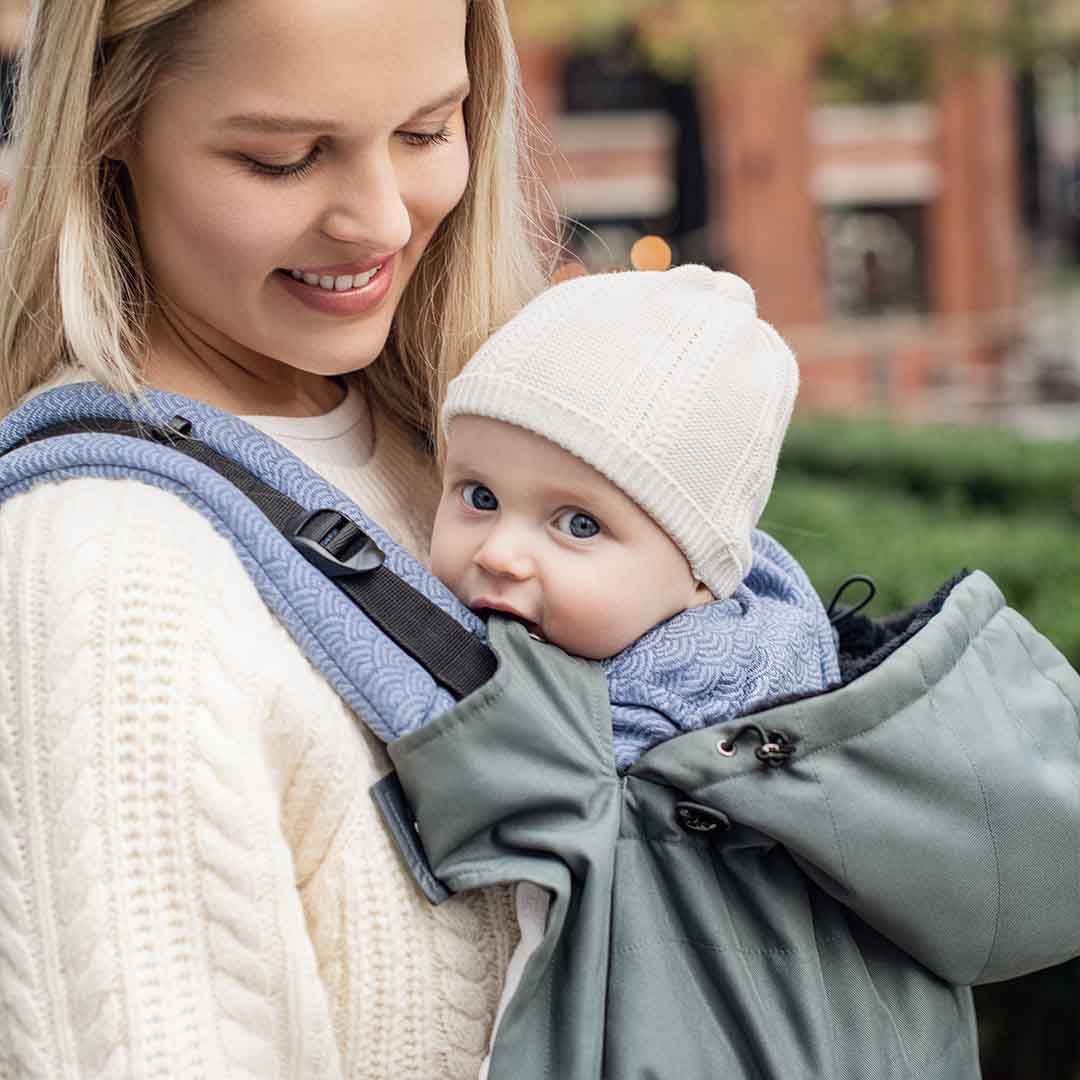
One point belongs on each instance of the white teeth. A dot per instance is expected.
(336, 284)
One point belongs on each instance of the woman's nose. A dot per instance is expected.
(368, 208)
(504, 553)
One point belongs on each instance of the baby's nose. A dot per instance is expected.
(505, 554)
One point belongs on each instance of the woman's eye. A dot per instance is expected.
(479, 497)
(426, 138)
(578, 524)
(293, 170)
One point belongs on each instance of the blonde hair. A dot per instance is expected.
(73, 288)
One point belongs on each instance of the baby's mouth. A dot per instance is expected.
(533, 628)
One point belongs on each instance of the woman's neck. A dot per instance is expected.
(182, 362)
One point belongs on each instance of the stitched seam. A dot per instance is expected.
(835, 827)
(600, 714)
(710, 946)
(986, 811)
(455, 718)
(1005, 703)
(806, 755)
(1037, 666)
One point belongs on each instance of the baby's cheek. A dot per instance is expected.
(593, 619)
(446, 560)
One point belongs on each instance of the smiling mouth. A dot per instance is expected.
(335, 282)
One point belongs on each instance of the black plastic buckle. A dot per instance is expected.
(360, 555)
(179, 427)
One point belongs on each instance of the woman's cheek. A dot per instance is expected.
(211, 244)
(437, 189)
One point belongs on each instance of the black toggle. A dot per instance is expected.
(336, 545)
(698, 818)
(775, 748)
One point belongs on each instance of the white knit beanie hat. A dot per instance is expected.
(665, 382)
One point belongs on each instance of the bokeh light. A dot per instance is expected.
(651, 253)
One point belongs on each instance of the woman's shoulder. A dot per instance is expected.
(131, 574)
(118, 593)
(109, 525)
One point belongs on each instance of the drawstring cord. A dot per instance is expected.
(856, 579)
(774, 749)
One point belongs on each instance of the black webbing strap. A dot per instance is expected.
(337, 546)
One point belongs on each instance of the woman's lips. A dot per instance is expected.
(348, 302)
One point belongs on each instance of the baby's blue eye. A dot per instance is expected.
(479, 497)
(578, 524)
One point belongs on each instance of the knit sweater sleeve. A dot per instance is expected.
(150, 909)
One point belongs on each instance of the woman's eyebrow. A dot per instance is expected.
(272, 124)
(459, 93)
(280, 125)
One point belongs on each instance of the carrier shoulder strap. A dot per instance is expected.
(335, 545)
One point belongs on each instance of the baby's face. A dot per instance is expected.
(527, 528)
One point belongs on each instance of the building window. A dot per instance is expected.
(631, 144)
(875, 260)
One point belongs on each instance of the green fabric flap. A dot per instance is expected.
(540, 802)
(917, 795)
(937, 797)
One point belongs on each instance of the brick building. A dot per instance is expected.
(884, 240)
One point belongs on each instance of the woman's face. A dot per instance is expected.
(287, 183)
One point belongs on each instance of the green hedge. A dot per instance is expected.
(910, 546)
(911, 507)
(974, 468)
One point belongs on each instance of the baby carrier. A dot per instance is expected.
(806, 891)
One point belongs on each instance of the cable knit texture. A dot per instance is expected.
(193, 878)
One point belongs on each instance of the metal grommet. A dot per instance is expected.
(726, 748)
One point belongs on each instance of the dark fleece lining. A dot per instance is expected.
(866, 643)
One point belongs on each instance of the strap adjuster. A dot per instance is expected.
(336, 545)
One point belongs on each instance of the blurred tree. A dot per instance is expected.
(879, 62)
(879, 42)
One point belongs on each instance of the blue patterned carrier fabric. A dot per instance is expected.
(772, 638)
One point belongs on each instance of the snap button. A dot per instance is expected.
(694, 817)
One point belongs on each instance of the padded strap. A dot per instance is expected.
(337, 546)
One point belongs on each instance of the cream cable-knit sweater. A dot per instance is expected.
(194, 881)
